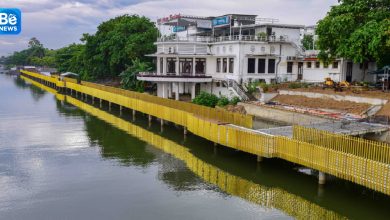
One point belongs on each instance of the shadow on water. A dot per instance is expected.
(271, 183)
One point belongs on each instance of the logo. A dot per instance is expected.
(10, 21)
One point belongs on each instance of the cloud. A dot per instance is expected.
(58, 23)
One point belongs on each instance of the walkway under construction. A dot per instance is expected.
(355, 159)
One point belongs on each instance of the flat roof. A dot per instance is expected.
(295, 26)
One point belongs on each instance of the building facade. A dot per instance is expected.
(221, 55)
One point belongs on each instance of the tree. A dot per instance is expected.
(129, 76)
(308, 42)
(116, 43)
(36, 48)
(71, 59)
(358, 30)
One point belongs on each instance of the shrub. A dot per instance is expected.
(206, 99)
(223, 101)
(264, 86)
(235, 100)
(294, 85)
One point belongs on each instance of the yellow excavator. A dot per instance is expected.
(337, 86)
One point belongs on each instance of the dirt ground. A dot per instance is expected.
(345, 106)
(385, 111)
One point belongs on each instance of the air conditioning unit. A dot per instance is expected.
(171, 50)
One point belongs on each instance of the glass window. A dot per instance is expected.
(224, 65)
(335, 65)
(308, 65)
(218, 65)
(200, 66)
(161, 65)
(171, 65)
(231, 65)
(261, 66)
(251, 65)
(185, 65)
(317, 64)
(271, 66)
(290, 67)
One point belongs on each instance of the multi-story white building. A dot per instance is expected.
(221, 54)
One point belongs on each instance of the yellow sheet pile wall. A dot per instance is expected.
(373, 150)
(354, 159)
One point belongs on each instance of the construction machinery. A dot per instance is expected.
(337, 86)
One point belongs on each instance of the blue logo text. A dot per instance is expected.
(10, 21)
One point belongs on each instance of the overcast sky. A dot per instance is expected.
(57, 23)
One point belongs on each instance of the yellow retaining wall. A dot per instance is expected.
(336, 159)
(234, 185)
(373, 150)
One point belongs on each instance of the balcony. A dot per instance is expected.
(181, 77)
(209, 39)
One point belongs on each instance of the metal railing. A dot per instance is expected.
(237, 88)
(208, 39)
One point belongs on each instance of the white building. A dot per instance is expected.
(221, 54)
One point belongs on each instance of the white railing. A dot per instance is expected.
(236, 87)
(283, 38)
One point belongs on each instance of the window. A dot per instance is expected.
(326, 65)
(161, 65)
(185, 65)
(308, 65)
(218, 65)
(251, 65)
(171, 65)
(224, 65)
(261, 66)
(317, 64)
(335, 65)
(271, 66)
(200, 64)
(231, 65)
(290, 67)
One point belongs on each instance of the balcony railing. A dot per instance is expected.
(203, 39)
(173, 75)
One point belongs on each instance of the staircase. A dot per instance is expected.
(239, 90)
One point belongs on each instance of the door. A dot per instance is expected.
(300, 71)
(197, 89)
(348, 76)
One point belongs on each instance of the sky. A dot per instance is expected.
(57, 23)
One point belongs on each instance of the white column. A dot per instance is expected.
(177, 92)
(193, 90)
(164, 66)
(164, 90)
(193, 66)
(158, 65)
(177, 66)
(266, 65)
(256, 65)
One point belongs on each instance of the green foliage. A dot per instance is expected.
(223, 101)
(71, 59)
(206, 99)
(264, 86)
(212, 100)
(252, 87)
(297, 85)
(116, 43)
(235, 100)
(34, 55)
(358, 30)
(262, 35)
(308, 42)
(129, 76)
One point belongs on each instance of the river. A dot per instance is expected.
(69, 160)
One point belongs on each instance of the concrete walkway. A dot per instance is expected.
(348, 128)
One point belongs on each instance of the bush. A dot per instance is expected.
(264, 86)
(223, 101)
(294, 85)
(235, 100)
(206, 99)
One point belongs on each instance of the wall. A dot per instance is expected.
(282, 116)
